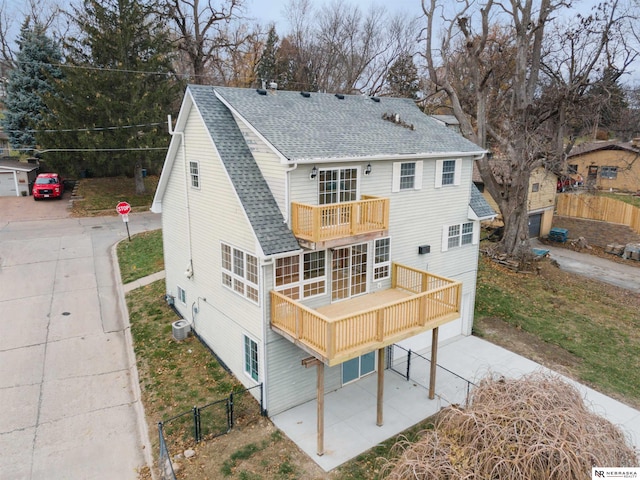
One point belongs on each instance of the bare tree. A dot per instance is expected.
(340, 48)
(527, 70)
(201, 32)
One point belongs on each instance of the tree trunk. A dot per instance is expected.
(137, 175)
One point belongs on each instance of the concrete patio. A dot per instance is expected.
(350, 412)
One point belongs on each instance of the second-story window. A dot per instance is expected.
(302, 276)
(194, 172)
(458, 235)
(240, 272)
(382, 259)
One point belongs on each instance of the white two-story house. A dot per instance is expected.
(307, 228)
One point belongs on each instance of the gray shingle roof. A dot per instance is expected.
(262, 210)
(479, 205)
(323, 126)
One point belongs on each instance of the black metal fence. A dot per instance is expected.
(450, 387)
(204, 423)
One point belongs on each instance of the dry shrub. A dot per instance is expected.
(535, 427)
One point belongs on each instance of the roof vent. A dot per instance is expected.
(376, 99)
(305, 94)
(340, 96)
(261, 91)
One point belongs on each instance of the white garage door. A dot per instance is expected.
(7, 185)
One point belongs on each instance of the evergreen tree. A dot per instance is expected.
(36, 68)
(402, 77)
(116, 99)
(267, 65)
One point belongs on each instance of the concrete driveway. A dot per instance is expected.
(601, 269)
(68, 383)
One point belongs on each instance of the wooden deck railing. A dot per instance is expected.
(316, 223)
(432, 301)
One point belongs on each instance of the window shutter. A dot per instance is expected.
(439, 165)
(395, 185)
(418, 180)
(445, 238)
(476, 233)
(458, 172)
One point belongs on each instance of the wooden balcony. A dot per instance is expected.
(417, 302)
(324, 223)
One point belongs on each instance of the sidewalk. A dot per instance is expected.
(141, 282)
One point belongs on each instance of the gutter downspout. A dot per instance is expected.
(189, 272)
(287, 194)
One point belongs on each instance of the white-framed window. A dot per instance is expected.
(448, 172)
(251, 358)
(240, 272)
(609, 172)
(182, 295)
(194, 173)
(337, 185)
(382, 259)
(302, 276)
(407, 176)
(535, 187)
(459, 235)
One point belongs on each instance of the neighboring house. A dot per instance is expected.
(542, 196)
(607, 165)
(316, 229)
(16, 177)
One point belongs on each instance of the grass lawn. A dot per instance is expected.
(596, 324)
(101, 195)
(141, 256)
(630, 199)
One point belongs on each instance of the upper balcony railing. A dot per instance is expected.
(318, 223)
(418, 301)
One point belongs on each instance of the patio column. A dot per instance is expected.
(379, 419)
(309, 362)
(434, 363)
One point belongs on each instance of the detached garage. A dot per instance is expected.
(16, 177)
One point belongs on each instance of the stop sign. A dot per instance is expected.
(123, 208)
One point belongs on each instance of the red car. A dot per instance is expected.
(48, 185)
(565, 183)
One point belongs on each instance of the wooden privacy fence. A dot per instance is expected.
(599, 208)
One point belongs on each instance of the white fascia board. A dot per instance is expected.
(407, 156)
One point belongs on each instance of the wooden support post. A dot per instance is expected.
(320, 370)
(309, 362)
(379, 418)
(434, 363)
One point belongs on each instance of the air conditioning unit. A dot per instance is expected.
(180, 329)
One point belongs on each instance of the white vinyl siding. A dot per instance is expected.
(407, 176)
(448, 172)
